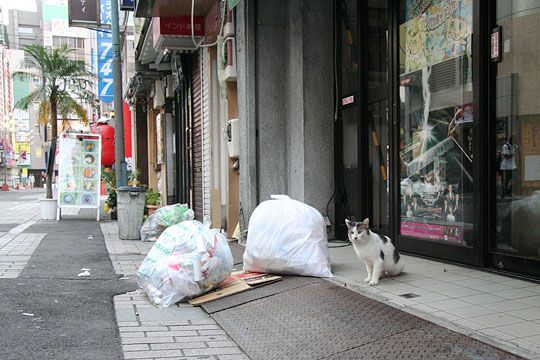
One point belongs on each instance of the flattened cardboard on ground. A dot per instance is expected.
(255, 279)
(238, 281)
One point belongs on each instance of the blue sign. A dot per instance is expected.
(127, 5)
(105, 56)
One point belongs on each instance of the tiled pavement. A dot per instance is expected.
(16, 248)
(498, 310)
(126, 255)
(179, 332)
(15, 253)
(493, 308)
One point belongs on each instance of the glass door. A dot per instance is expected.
(515, 139)
(347, 129)
(363, 129)
(376, 119)
(436, 124)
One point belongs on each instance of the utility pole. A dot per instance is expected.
(120, 162)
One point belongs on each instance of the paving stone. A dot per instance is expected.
(143, 328)
(212, 351)
(152, 354)
(135, 347)
(183, 345)
(147, 340)
(171, 333)
(196, 327)
(202, 338)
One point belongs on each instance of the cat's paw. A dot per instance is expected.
(373, 282)
(368, 279)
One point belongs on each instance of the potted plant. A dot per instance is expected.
(133, 178)
(153, 201)
(109, 178)
(110, 204)
(55, 68)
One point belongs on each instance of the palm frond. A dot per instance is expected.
(35, 96)
(44, 112)
(68, 80)
(67, 106)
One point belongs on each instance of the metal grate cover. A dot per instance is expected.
(325, 321)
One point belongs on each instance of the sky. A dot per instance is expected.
(26, 5)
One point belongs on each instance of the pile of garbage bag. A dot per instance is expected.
(164, 217)
(187, 260)
(286, 236)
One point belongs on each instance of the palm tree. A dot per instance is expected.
(64, 84)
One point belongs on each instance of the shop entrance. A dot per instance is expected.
(364, 131)
(405, 131)
(514, 144)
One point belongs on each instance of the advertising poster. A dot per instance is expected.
(79, 170)
(22, 153)
(435, 30)
(437, 120)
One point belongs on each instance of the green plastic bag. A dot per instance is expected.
(163, 218)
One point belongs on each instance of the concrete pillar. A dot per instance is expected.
(245, 45)
(286, 103)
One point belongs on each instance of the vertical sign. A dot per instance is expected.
(105, 58)
(496, 42)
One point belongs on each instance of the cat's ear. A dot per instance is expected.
(350, 224)
(366, 222)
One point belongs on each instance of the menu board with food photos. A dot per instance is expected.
(79, 170)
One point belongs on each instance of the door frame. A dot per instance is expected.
(472, 256)
(436, 249)
(501, 262)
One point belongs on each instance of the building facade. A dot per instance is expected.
(185, 100)
(420, 115)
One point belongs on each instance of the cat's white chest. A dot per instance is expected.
(366, 252)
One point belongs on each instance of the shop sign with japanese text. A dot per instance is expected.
(105, 56)
(83, 13)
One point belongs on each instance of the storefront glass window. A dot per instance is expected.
(436, 117)
(517, 131)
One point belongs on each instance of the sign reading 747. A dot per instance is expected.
(104, 55)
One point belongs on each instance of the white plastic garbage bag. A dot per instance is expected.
(187, 260)
(286, 236)
(164, 217)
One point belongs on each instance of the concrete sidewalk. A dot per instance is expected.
(493, 308)
(178, 332)
(296, 318)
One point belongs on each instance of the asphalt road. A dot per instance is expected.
(48, 312)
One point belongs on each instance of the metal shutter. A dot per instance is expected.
(206, 139)
(197, 139)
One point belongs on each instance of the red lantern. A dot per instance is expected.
(107, 142)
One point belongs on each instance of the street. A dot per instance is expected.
(46, 310)
(49, 312)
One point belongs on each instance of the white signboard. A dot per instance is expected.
(79, 171)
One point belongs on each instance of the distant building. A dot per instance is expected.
(25, 27)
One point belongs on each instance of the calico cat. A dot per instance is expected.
(377, 251)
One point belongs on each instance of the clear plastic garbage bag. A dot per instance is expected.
(286, 236)
(164, 217)
(187, 260)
